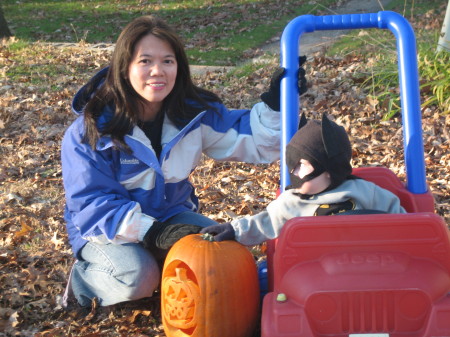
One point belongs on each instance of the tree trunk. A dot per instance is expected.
(4, 30)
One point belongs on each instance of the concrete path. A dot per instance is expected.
(313, 42)
(316, 41)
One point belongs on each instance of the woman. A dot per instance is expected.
(126, 160)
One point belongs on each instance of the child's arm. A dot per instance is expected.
(249, 230)
(266, 225)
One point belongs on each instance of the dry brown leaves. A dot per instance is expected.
(34, 253)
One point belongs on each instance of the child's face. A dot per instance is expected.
(315, 185)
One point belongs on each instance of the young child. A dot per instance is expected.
(318, 158)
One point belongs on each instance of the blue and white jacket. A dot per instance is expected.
(114, 197)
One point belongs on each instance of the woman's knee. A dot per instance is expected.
(141, 278)
(145, 282)
(117, 273)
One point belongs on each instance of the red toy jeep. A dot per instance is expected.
(373, 275)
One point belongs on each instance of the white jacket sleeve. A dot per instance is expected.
(266, 225)
(251, 136)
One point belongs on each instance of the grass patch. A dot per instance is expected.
(17, 45)
(435, 71)
(381, 72)
(215, 33)
(380, 41)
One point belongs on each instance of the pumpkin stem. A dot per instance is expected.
(208, 237)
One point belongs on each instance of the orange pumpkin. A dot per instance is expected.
(209, 289)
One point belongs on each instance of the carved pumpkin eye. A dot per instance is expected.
(209, 289)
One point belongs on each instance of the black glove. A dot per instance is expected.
(163, 236)
(272, 97)
(221, 232)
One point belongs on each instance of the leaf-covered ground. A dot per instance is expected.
(35, 257)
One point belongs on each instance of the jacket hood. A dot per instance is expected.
(85, 92)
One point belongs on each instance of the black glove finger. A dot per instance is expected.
(227, 234)
(206, 230)
(276, 77)
(272, 96)
(301, 60)
(221, 232)
(213, 230)
(302, 82)
(301, 75)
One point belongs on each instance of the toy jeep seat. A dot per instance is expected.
(360, 274)
(383, 177)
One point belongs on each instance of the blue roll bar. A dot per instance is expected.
(407, 73)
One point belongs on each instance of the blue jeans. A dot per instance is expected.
(117, 273)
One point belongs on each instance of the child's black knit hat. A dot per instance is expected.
(325, 145)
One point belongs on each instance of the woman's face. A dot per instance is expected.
(152, 73)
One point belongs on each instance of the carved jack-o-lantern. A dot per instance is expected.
(209, 289)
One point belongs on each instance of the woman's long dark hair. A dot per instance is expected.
(118, 93)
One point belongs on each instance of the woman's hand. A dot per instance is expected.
(272, 96)
(163, 236)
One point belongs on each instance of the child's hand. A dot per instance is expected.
(221, 232)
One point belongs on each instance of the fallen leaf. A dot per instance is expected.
(24, 230)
